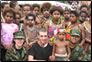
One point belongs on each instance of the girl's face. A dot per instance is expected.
(56, 15)
(8, 17)
(83, 16)
(73, 18)
(36, 11)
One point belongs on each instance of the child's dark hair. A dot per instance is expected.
(83, 6)
(35, 5)
(45, 5)
(3, 4)
(9, 10)
(13, 4)
(56, 8)
(30, 14)
(27, 5)
(74, 12)
(83, 12)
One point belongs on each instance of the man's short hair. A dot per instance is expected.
(42, 30)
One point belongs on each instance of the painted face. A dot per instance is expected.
(18, 18)
(75, 39)
(83, 17)
(56, 15)
(8, 17)
(46, 12)
(66, 14)
(43, 37)
(36, 11)
(74, 5)
(26, 10)
(61, 35)
(19, 42)
(73, 18)
(30, 20)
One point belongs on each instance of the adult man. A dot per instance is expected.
(17, 52)
(41, 50)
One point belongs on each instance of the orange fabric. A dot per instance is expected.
(67, 36)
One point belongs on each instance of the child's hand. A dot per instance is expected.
(52, 58)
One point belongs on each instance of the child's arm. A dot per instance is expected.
(83, 35)
(52, 57)
(68, 50)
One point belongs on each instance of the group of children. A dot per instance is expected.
(68, 31)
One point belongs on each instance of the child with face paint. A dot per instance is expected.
(30, 29)
(61, 50)
(45, 16)
(7, 30)
(55, 22)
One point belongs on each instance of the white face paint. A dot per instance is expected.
(74, 5)
(30, 17)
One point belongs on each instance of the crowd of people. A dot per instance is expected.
(46, 32)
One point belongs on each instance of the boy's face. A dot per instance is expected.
(36, 11)
(56, 15)
(83, 17)
(75, 39)
(61, 35)
(19, 42)
(8, 17)
(43, 37)
(30, 21)
(46, 12)
(66, 14)
(73, 18)
(26, 10)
